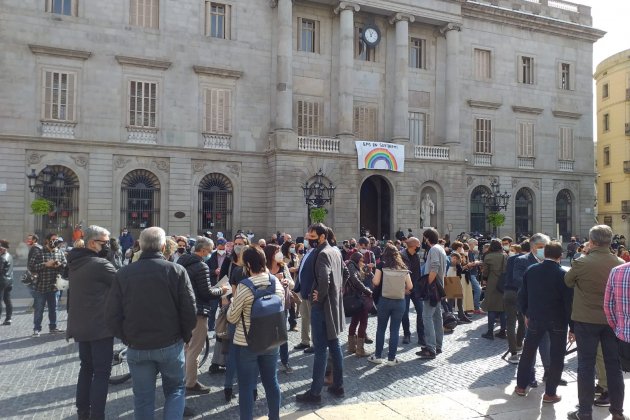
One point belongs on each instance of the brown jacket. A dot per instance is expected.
(588, 276)
(493, 266)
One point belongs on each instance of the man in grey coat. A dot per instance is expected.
(327, 317)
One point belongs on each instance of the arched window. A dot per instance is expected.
(140, 201)
(478, 212)
(59, 185)
(215, 204)
(524, 212)
(564, 213)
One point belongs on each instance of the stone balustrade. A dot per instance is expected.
(142, 135)
(318, 144)
(215, 141)
(525, 162)
(565, 165)
(480, 159)
(432, 152)
(58, 129)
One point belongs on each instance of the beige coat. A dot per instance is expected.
(493, 266)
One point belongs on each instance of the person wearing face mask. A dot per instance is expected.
(182, 247)
(506, 243)
(91, 276)
(304, 284)
(114, 254)
(493, 265)
(214, 265)
(411, 258)
(291, 262)
(473, 268)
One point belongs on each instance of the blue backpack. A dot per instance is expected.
(268, 324)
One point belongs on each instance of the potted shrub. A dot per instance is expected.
(318, 214)
(41, 206)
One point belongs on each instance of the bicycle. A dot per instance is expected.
(120, 369)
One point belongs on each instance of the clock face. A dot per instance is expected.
(371, 36)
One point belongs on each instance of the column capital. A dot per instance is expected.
(274, 3)
(450, 27)
(401, 16)
(345, 5)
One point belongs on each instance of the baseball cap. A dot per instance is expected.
(221, 241)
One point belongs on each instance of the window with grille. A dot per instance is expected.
(418, 128)
(483, 64)
(606, 156)
(605, 91)
(139, 201)
(309, 116)
(483, 135)
(608, 221)
(566, 143)
(365, 122)
(361, 50)
(565, 76)
(144, 13)
(62, 7)
(218, 111)
(417, 53)
(308, 35)
(608, 192)
(215, 204)
(526, 70)
(218, 20)
(606, 122)
(525, 139)
(143, 104)
(59, 96)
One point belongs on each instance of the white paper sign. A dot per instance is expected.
(381, 156)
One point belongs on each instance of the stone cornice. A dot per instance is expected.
(566, 114)
(527, 110)
(345, 5)
(484, 104)
(216, 71)
(59, 52)
(531, 22)
(402, 16)
(143, 62)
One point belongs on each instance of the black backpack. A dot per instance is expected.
(268, 324)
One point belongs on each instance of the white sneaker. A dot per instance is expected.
(375, 360)
(394, 362)
(514, 359)
(36, 333)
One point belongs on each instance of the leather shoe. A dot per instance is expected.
(307, 397)
(309, 350)
(301, 346)
(188, 412)
(337, 392)
(197, 389)
(228, 393)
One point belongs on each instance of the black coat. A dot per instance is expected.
(199, 276)
(544, 297)
(90, 279)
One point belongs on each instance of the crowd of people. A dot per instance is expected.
(161, 296)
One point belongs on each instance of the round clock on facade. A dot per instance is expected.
(371, 35)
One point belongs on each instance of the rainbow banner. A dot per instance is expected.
(381, 156)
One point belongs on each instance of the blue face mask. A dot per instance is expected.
(540, 253)
(206, 258)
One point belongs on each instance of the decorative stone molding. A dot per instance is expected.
(344, 5)
(59, 52)
(450, 27)
(484, 104)
(560, 184)
(80, 160)
(143, 62)
(161, 164)
(58, 129)
(198, 165)
(215, 141)
(34, 157)
(470, 180)
(273, 3)
(234, 169)
(566, 114)
(527, 110)
(120, 162)
(142, 135)
(402, 16)
(217, 71)
(534, 182)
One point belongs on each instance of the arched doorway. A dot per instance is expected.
(524, 213)
(139, 201)
(564, 214)
(478, 212)
(215, 205)
(59, 185)
(376, 207)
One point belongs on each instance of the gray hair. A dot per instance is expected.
(152, 239)
(203, 243)
(94, 232)
(600, 235)
(472, 241)
(539, 238)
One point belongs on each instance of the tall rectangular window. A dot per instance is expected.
(309, 118)
(606, 122)
(566, 144)
(607, 156)
(142, 104)
(565, 76)
(59, 96)
(308, 35)
(608, 192)
(483, 135)
(605, 91)
(62, 7)
(218, 20)
(417, 53)
(525, 139)
(365, 122)
(144, 13)
(526, 70)
(418, 128)
(361, 50)
(482, 64)
(218, 111)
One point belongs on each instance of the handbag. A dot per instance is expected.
(352, 303)
(61, 283)
(393, 282)
(421, 291)
(221, 324)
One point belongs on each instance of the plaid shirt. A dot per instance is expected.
(617, 301)
(46, 276)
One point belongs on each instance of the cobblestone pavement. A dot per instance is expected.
(38, 374)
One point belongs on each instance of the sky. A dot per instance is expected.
(612, 16)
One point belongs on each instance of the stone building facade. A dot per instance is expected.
(206, 115)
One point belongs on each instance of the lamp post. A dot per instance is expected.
(317, 193)
(46, 181)
(495, 201)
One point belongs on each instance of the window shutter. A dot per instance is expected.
(571, 77)
(299, 35)
(559, 70)
(532, 70)
(70, 101)
(133, 12)
(47, 97)
(227, 26)
(227, 124)
(300, 118)
(316, 37)
(520, 69)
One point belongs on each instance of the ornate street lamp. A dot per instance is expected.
(495, 201)
(317, 194)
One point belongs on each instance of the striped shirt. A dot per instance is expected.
(242, 304)
(617, 301)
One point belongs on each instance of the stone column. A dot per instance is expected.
(401, 83)
(346, 11)
(451, 31)
(284, 78)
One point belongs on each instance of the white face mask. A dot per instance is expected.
(506, 247)
(292, 250)
(221, 252)
(475, 248)
(511, 253)
(362, 251)
(278, 257)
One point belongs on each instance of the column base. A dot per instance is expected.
(283, 139)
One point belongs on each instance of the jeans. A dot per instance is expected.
(212, 316)
(248, 366)
(557, 333)
(417, 303)
(144, 365)
(492, 315)
(321, 345)
(96, 367)
(433, 329)
(5, 296)
(359, 319)
(515, 336)
(230, 365)
(588, 336)
(391, 310)
(476, 290)
(42, 299)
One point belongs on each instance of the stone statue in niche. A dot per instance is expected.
(427, 208)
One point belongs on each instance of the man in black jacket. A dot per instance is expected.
(205, 294)
(151, 308)
(91, 277)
